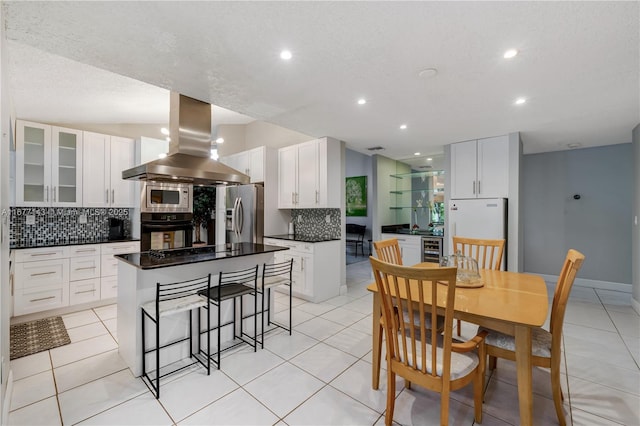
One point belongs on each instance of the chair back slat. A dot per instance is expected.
(247, 276)
(276, 269)
(409, 341)
(488, 253)
(169, 291)
(388, 251)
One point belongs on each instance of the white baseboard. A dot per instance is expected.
(6, 403)
(583, 282)
(635, 305)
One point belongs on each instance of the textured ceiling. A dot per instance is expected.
(578, 67)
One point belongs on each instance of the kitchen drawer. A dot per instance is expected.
(120, 248)
(43, 253)
(108, 266)
(84, 268)
(84, 291)
(40, 301)
(292, 245)
(108, 287)
(30, 276)
(84, 250)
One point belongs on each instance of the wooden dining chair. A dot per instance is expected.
(488, 254)
(419, 354)
(546, 346)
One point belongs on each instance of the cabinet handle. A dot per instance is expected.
(42, 298)
(478, 187)
(42, 254)
(47, 190)
(297, 198)
(88, 267)
(113, 195)
(302, 263)
(317, 196)
(474, 187)
(43, 273)
(85, 250)
(293, 198)
(54, 194)
(107, 194)
(85, 291)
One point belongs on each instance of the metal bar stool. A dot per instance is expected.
(273, 275)
(232, 286)
(171, 299)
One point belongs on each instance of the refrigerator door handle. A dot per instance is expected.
(240, 223)
(233, 216)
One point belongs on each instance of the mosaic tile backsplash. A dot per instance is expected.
(57, 225)
(313, 222)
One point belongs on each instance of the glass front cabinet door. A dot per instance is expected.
(48, 165)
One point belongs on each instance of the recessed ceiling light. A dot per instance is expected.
(428, 73)
(220, 140)
(163, 155)
(416, 153)
(403, 126)
(164, 131)
(174, 177)
(214, 154)
(574, 145)
(286, 55)
(429, 159)
(510, 53)
(520, 101)
(362, 101)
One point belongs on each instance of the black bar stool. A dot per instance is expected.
(273, 275)
(171, 299)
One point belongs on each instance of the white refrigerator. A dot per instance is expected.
(484, 218)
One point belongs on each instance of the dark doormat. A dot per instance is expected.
(37, 336)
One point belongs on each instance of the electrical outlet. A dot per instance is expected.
(82, 218)
(31, 219)
(327, 218)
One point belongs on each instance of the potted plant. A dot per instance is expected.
(204, 201)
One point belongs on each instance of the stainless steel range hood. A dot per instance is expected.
(189, 159)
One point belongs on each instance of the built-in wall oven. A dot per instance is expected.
(166, 219)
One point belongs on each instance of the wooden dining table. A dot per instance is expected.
(510, 302)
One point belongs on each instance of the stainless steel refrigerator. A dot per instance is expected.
(243, 213)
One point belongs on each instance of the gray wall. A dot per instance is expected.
(597, 224)
(357, 164)
(635, 252)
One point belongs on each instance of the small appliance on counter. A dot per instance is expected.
(116, 229)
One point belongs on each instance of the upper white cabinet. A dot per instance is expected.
(251, 163)
(104, 160)
(309, 175)
(480, 168)
(48, 165)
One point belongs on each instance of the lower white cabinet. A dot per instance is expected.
(316, 271)
(410, 247)
(55, 277)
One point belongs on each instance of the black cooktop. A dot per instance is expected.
(194, 251)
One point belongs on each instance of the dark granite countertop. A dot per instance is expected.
(58, 243)
(422, 233)
(178, 257)
(302, 238)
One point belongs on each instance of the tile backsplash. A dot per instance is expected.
(32, 226)
(313, 222)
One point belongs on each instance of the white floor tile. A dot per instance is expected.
(95, 397)
(610, 353)
(142, 410)
(582, 418)
(298, 317)
(603, 401)
(107, 312)
(324, 361)
(82, 349)
(30, 365)
(77, 319)
(44, 413)
(363, 305)
(364, 325)
(319, 328)
(626, 324)
(611, 375)
(247, 365)
(112, 327)
(315, 308)
(417, 406)
(194, 391)
(541, 377)
(283, 388)
(342, 316)
(88, 369)
(351, 341)
(87, 331)
(331, 407)
(633, 345)
(590, 317)
(236, 408)
(286, 346)
(32, 389)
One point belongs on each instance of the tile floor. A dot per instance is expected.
(321, 374)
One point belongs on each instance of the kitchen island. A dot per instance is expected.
(138, 274)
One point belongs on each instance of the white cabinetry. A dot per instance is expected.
(316, 277)
(102, 176)
(84, 274)
(410, 247)
(48, 165)
(251, 163)
(309, 175)
(109, 266)
(480, 168)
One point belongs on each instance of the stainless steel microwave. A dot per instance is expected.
(166, 197)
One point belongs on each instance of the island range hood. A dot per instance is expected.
(189, 158)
